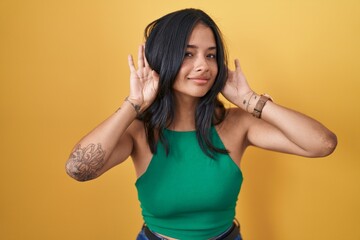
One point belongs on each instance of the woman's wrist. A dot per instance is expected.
(254, 103)
(248, 102)
(136, 106)
(257, 111)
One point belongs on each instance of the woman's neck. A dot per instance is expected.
(184, 117)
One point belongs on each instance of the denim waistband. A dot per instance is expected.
(233, 233)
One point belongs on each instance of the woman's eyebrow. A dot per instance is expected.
(194, 46)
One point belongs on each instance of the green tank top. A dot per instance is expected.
(188, 195)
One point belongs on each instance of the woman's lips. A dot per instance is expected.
(199, 80)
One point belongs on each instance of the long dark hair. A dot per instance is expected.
(166, 41)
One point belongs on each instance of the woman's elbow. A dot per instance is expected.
(332, 143)
(79, 171)
(327, 146)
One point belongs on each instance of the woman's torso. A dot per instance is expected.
(230, 135)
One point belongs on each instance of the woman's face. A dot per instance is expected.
(199, 68)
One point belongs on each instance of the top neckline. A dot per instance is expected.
(179, 131)
(184, 131)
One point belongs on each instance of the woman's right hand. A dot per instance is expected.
(143, 81)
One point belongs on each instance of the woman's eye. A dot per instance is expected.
(212, 56)
(188, 54)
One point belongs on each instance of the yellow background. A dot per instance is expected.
(64, 69)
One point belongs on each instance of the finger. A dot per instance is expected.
(155, 75)
(237, 65)
(141, 57)
(155, 78)
(146, 62)
(131, 63)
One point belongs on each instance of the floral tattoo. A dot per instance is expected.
(85, 162)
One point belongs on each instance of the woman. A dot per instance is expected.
(186, 147)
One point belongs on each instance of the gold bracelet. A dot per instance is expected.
(135, 106)
(248, 103)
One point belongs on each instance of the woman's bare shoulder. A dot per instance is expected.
(233, 130)
(236, 117)
(235, 121)
(136, 128)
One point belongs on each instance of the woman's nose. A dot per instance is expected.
(201, 64)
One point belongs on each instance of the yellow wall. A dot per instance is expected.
(63, 69)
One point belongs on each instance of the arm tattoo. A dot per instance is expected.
(85, 162)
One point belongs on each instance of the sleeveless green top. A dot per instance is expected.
(188, 195)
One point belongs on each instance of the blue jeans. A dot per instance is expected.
(142, 236)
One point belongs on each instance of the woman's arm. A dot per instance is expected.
(111, 142)
(279, 129)
(285, 130)
(92, 155)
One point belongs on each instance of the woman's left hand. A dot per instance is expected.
(236, 89)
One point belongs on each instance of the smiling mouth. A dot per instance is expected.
(199, 80)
